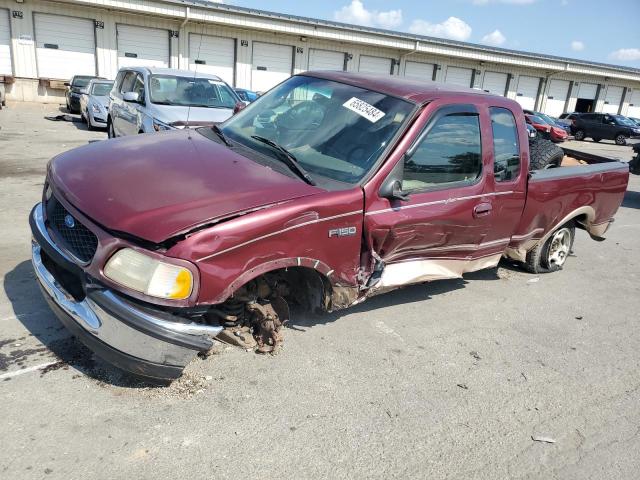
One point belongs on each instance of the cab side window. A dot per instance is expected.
(450, 153)
(127, 83)
(138, 86)
(118, 83)
(506, 149)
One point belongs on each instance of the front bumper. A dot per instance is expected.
(140, 340)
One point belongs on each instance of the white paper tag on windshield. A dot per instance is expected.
(363, 109)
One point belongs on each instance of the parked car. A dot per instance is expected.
(330, 189)
(76, 87)
(550, 120)
(145, 100)
(598, 126)
(568, 118)
(552, 132)
(94, 106)
(247, 96)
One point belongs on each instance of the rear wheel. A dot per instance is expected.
(552, 255)
(579, 135)
(621, 139)
(544, 154)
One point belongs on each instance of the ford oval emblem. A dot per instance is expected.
(69, 221)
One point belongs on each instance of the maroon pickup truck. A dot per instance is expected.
(329, 189)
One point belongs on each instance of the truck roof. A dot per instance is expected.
(416, 91)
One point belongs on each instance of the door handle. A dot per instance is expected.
(482, 210)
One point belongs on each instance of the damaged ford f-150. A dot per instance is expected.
(329, 189)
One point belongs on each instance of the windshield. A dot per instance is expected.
(81, 81)
(101, 89)
(190, 92)
(537, 119)
(620, 120)
(546, 118)
(335, 130)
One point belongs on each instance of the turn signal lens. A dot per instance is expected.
(145, 274)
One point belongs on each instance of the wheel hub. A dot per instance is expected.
(559, 247)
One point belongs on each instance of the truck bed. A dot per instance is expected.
(588, 192)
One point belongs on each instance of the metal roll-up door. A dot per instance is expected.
(634, 104)
(5, 43)
(379, 65)
(612, 99)
(556, 97)
(419, 71)
(459, 76)
(65, 46)
(527, 91)
(213, 55)
(326, 60)
(142, 46)
(495, 82)
(588, 91)
(272, 64)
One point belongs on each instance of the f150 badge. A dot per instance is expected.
(342, 232)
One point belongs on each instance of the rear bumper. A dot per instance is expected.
(137, 339)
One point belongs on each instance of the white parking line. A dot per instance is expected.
(35, 368)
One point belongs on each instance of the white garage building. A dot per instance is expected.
(43, 43)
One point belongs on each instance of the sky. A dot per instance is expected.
(596, 30)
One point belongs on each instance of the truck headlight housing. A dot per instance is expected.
(147, 275)
(96, 108)
(159, 126)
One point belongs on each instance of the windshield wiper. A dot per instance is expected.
(288, 158)
(221, 134)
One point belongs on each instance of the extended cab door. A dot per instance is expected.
(442, 226)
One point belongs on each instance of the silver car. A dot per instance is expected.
(94, 106)
(145, 100)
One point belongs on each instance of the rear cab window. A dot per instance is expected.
(506, 148)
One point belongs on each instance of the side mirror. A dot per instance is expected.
(392, 189)
(239, 107)
(132, 97)
(67, 84)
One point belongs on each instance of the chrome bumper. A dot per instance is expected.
(118, 331)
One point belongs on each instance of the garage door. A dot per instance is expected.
(419, 71)
(588, 91)
(271, 65)
(634, 105)
(65, 46)
(527, 91)
(378, 65)
(612, 99)
(214, 55)
(326, 60)
(494, 82)
(5, 42)
(556, 97)
(459, 76)
(142, 46)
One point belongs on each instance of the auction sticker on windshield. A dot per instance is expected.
(363, 109)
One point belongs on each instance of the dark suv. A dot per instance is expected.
(600, 126)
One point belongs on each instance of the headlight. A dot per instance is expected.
(147, 275)
(96, 108)
(159, 126)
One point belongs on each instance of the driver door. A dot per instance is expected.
(440, 229)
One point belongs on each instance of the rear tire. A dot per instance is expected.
(579, 135)
(544, 154)
(552, 255)
(621, 139)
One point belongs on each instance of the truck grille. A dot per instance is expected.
(77, 238)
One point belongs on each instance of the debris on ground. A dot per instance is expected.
(534, 280)
(579, 317)
(463, 386)
(63, 118)
(542, 439)
(475, 355)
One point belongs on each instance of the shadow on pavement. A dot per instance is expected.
(30, 308)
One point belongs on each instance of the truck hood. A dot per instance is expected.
(180, 117)
(159, 185)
